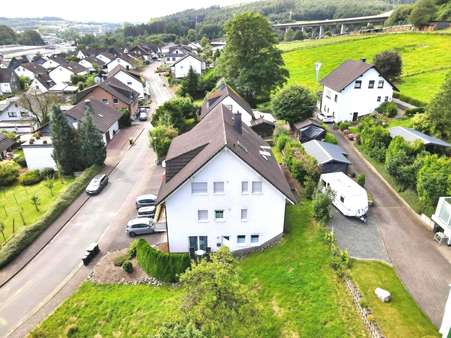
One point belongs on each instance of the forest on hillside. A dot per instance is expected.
(9, 36)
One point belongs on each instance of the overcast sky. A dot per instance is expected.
(105, 10)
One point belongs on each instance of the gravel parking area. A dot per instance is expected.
(360, 239)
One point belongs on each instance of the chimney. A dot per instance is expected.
(363, 60)
(237, 122)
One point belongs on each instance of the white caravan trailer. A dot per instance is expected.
(348, 196)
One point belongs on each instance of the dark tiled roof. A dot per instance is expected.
(34, 68)
(219, 94)
(45, 80)
(189, 152)
(197, 57)
(115, 88)
(75, 67)
(306, 123)
(5, 143)
(103, 115)
(325, 152)
(5, 75)
(93, 60)
(412, 135)
(107, 54)
(119, 68)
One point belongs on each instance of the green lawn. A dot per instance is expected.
(16, 201)
(402, 122)
(299, 293)
(399, 318)
(426, 59)
(111, 311)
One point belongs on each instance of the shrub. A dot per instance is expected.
(161, 138)
(388, 109)
(125, 121)
(281, 141)
(409, 99)
(163, 266)
(413, 111)
(127, 266)
(47, 173)
(293, 104)
(9, 171)
(24, 238)
(361, 179)
(422, 122)
(374, 139)
(132, 249)
(309, 187)
(119, 260)
(19, 158)
(321, 206)
(343, 125)
(330, 138)
(30, 177)
(299, 163)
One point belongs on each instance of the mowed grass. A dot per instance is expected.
(299, 294)
(401, 317)
(16, 204)
(295, 279)
(112, 311)
(426, 59)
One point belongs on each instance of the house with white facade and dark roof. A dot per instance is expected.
(9, 81)
(352, 90)
(222, 187)
(181, 67)
(15, 118)
(30, 70)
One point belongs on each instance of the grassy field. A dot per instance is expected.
(299, 293)
(15, 203)
(399, 318)
(426, 59)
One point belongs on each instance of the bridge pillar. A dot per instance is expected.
(302, 29)
(321, 31)
(342, 29)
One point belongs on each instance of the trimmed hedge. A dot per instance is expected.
(165, 267)
(409, 99)
(30, 177)
(9, 171)
(18, 243)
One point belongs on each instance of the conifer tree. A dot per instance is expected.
(92, 146)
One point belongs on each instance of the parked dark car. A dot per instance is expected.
(97, 184)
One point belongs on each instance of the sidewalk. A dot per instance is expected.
(116, 149)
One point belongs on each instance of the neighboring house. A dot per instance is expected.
(86, 52)
(181, 67)
(105, 57)
(13, 117)
(176, 53)
(38, 152)
(121, 60)
(42, 83)
(354, 89)
(330, 157)
(91, 63)
(54, 61)
(5, 145)
(114, 93)
(30, 70)
(39, 60)
(64, 73)
(222, 187)
(17, 61)
(309, 130)
(104, 117)
(9, 81)
(442, 217)
(217, 45)
(227, 96)
(129, 78)
(166, 48)
(146, 51)
(412, 135)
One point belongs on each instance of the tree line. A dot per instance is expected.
(9, 36)
(421, 13)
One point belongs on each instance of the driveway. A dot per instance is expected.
(101, 219)
(415, 256)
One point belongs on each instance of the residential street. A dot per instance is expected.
(101, 219)
(416, 257)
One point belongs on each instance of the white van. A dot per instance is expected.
(348, 196)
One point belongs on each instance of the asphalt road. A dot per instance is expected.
(415, 256)
(101, 219)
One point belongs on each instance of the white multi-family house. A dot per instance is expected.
(354, 89)
(30, 70)
(120, 60)
(222, 187)
(176, 53)
(181, 67)
(64, 72)
(15, 118)
(129, 78)
(226, 95)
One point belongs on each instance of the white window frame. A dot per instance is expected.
(258, 238)
(238, 240)
(218, 192)
(261, 187)
(199, 213)
(199, 192)
(360, 84)
(246, 192)
(244, 219)
(222, 219)
(380, 84)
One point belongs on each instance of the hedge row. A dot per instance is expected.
(409, 99)
(165, 267)
(18, 243)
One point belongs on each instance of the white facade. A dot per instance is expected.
(257, 216)
(37, 86)
(81, 55)
(131, 82)
(15, 118)
(442, 216)
(39, 156)
(5, 88)
(119, 62)
(355, 101)
(85, 63)
(61, 75)
(232, 105)
(181, 68)
(111, 132)
(22, 71)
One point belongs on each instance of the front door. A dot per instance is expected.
(355, 115)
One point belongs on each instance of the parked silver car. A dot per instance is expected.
(97, 184)
(140, 226)
(146, 212)
(145, 200)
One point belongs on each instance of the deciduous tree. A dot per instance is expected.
(389, 64)
(439, 110)
(39, 105)
(160, 139)
(293, 104)
(423, 12)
